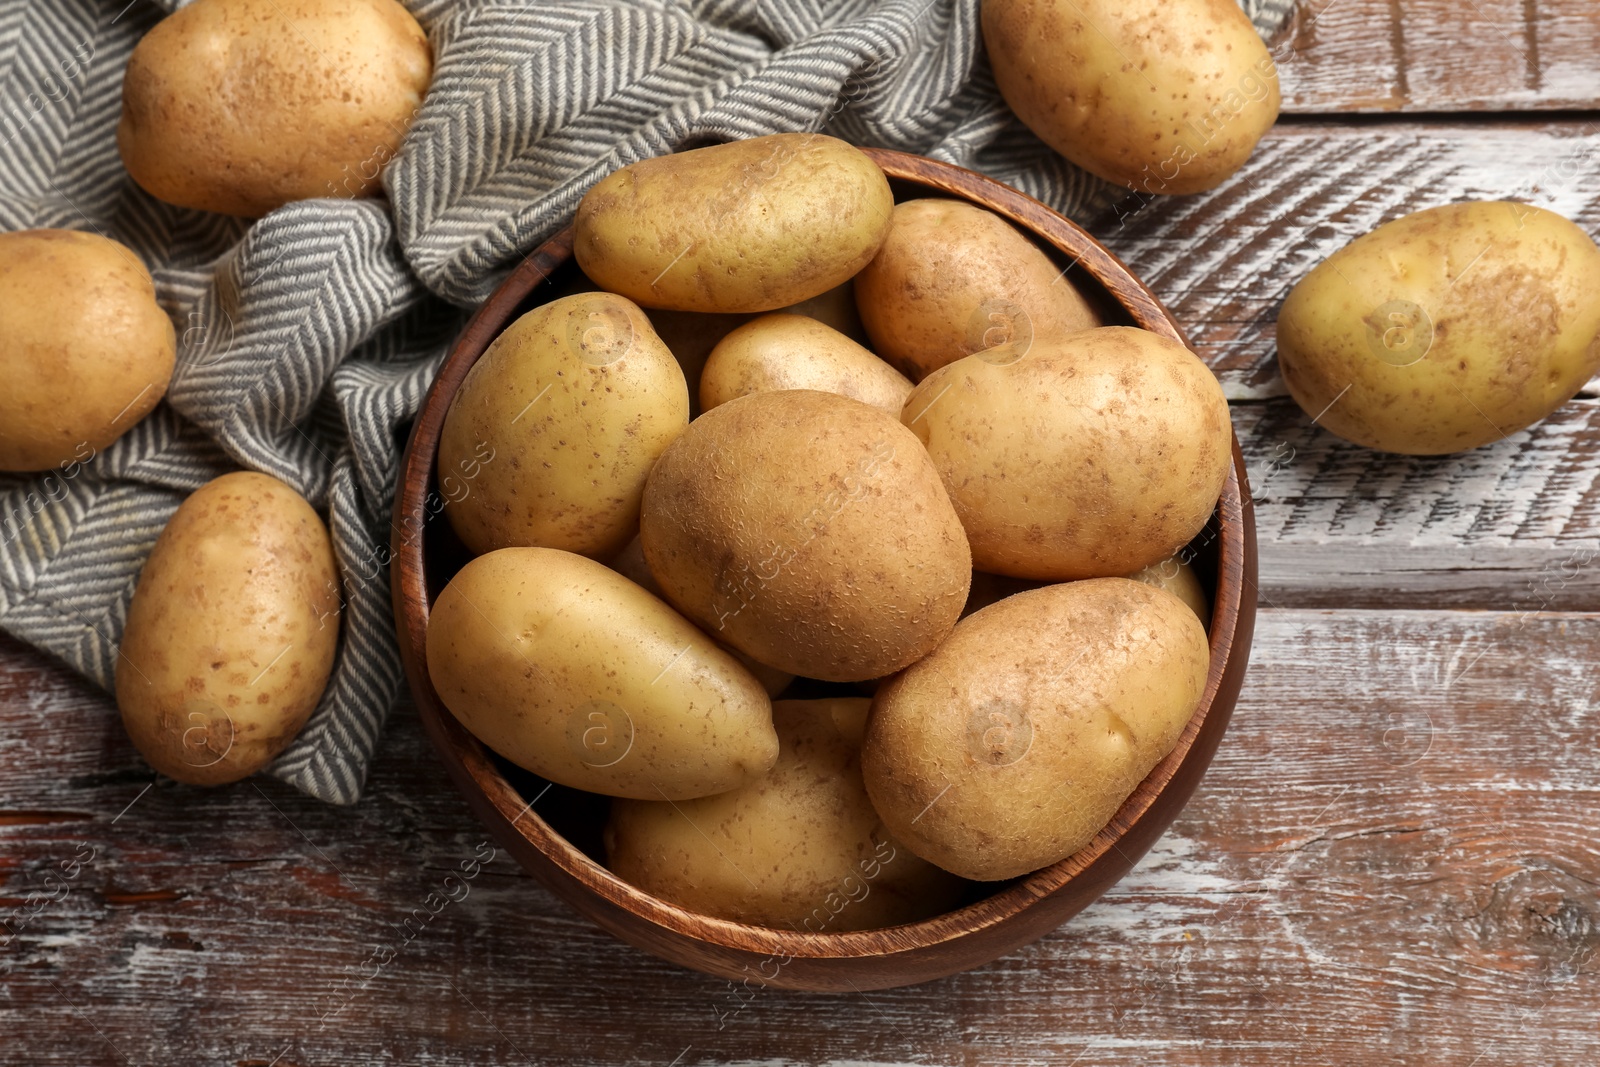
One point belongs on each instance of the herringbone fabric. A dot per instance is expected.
(309, 337)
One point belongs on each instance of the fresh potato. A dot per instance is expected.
(1089, 455)
(691, 336)
(782, 351)
(952, 279)
(1446, 329)
(240, 106)
(810, 531)
(747, 226)
(631, 565)
(1163, 96)
(1177, 577)
(560, 421)
(1016, 741)
(85, 350)
(836, 308)
(232, 632)
(801, 848)
(571, 671)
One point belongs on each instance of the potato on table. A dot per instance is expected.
(1013, 745)
(800, 849)
(1085, 456)
(952, 279)
(748, 226)
(240, 106)
(1444, 330)
(1163, 96)
(559, 423)
(85, 350)
(232, 632)
(571, 671)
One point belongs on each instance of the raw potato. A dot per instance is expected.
(1090, 455)
(571, 671)
(1163, 96)
(557, 425)
(631, 565)
(232, 632)
(783, 351)
(836, 308)
(952, 279)
(748, 226)
(85, 350)
(1012, 745)
(240, 106)
(800, 849)
(810, 531)
(1444, 330)
(1177, 577)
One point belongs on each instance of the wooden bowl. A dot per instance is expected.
(559, 842)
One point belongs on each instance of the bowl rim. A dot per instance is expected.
(471, 767)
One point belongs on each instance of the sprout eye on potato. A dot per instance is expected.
(240, 106)
(232, 632)
(1444, 330)
(85, 350)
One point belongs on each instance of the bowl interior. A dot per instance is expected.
(564, 827)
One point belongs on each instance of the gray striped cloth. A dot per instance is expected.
(308, 338)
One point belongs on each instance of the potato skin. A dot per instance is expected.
(952, 279)
(563, 416)
(1176, 576)
(1446, 329)
(232, 632)
(571, 671)
(1091, 455)
(1013, 744)
(1163, 96)
(781, 351)
(800, 849)
(85, 350)
(240, 106)
(810, 531)
(747, 226)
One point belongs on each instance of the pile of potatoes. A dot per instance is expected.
(787, 436)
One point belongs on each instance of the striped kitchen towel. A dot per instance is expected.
(308, 338)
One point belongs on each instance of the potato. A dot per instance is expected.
(1016, 741)
(741, 227)
(782, 351)
(1446, 329)
(691, 336)
(1089, 455)
(952, 279)
(801, 848)
(571, 671)
(240, 106)
(836, 308)
(85, 350)
(631, 565)
(556, 426)
(1163, 96)
(809, 531)
(1176, 576)
(232, 632)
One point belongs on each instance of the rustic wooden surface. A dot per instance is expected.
(1394, 860)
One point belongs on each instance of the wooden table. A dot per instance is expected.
(1394, 859)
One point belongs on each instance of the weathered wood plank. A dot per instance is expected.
(1440, 55)
(1393, 860)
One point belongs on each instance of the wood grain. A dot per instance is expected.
(1439, 56)
(1393, 861)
